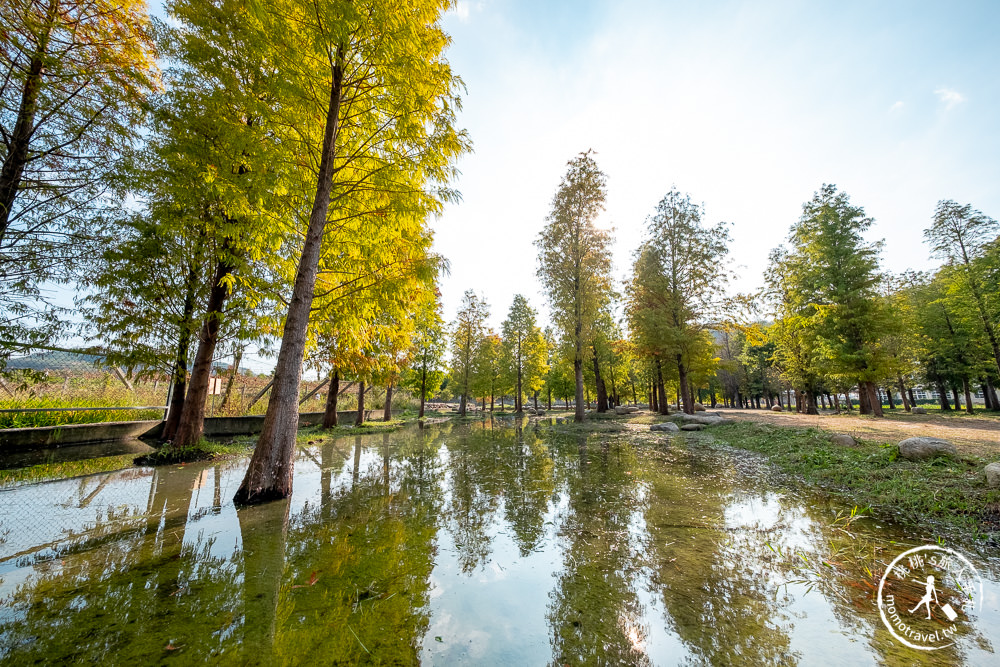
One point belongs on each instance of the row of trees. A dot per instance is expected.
(830, 322)
(270, 180)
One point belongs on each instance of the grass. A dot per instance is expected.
(47, 471)
(204, 450)
(949, 494)
(36, 419)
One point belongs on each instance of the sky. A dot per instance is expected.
(748, 106)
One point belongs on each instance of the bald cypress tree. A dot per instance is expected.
(574, 258)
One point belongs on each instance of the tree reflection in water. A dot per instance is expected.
(508, 541)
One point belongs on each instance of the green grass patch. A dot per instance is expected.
(61, 417)
(204, 450)
(943, 492)
(49, 471)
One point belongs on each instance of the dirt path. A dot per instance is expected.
(969, 434)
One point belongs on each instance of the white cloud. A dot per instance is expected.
(951, 98)
(897, 106)
(462, 10)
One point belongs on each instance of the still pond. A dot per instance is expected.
(501, 542)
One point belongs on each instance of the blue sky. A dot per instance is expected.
(748, 106)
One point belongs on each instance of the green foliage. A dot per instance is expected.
(76, 79)
(468, 333)
(525, 350)
(574, 257)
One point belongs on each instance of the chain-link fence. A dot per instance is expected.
(52, 386)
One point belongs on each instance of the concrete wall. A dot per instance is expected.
(26, 439)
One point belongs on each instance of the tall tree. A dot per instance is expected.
(386, 145)
(960, 235)
(574, 258)
(679, 272)
(468, 332)
(519, 332)
(834, 274)
(74, 76)
(425, 373)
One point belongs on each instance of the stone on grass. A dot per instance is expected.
(918, 411)
(993, 475)
(669, 427)
(698, 407)
(920, 448)
(692, 427)
(776, 408)
(843, 440)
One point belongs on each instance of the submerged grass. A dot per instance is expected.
(950, 494)
(48, 471)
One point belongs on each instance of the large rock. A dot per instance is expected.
(692, 427)
(843, 440)
(668, 427)
(993, 475)
(698, 407)
(625, 409)
(705, 420)
(776, 408)
(918, 411)
(921, 448)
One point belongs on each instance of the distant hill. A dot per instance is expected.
(74, 362)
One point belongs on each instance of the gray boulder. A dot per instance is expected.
(776, 408)
(698, 407)
(843, 440)
(921, 448)
(993, 475)
(705, 420)
(918, 411)
(692, 427)
(668, 427)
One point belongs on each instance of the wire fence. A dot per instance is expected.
(52, 386)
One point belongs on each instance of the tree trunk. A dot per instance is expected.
(330, 413)
(359, 419)
(654, 405)
(876, 400)
(954, 393)
(602, 392)
(19, 140)
(987, 399)
(943, 396)
(836, 403)
(811, 403)
(578, 375)
(661, 390)
(269, 475)
(682, 388)
(888, 394)
(902, 393)
(548, 391)
(237, 358)
(968, 396)
(864, 399)
(387, 412)
(180, 362)
(192, 422)
(423, 391)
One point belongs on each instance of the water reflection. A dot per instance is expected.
(501, 542)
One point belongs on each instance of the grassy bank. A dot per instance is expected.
(948, 494)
